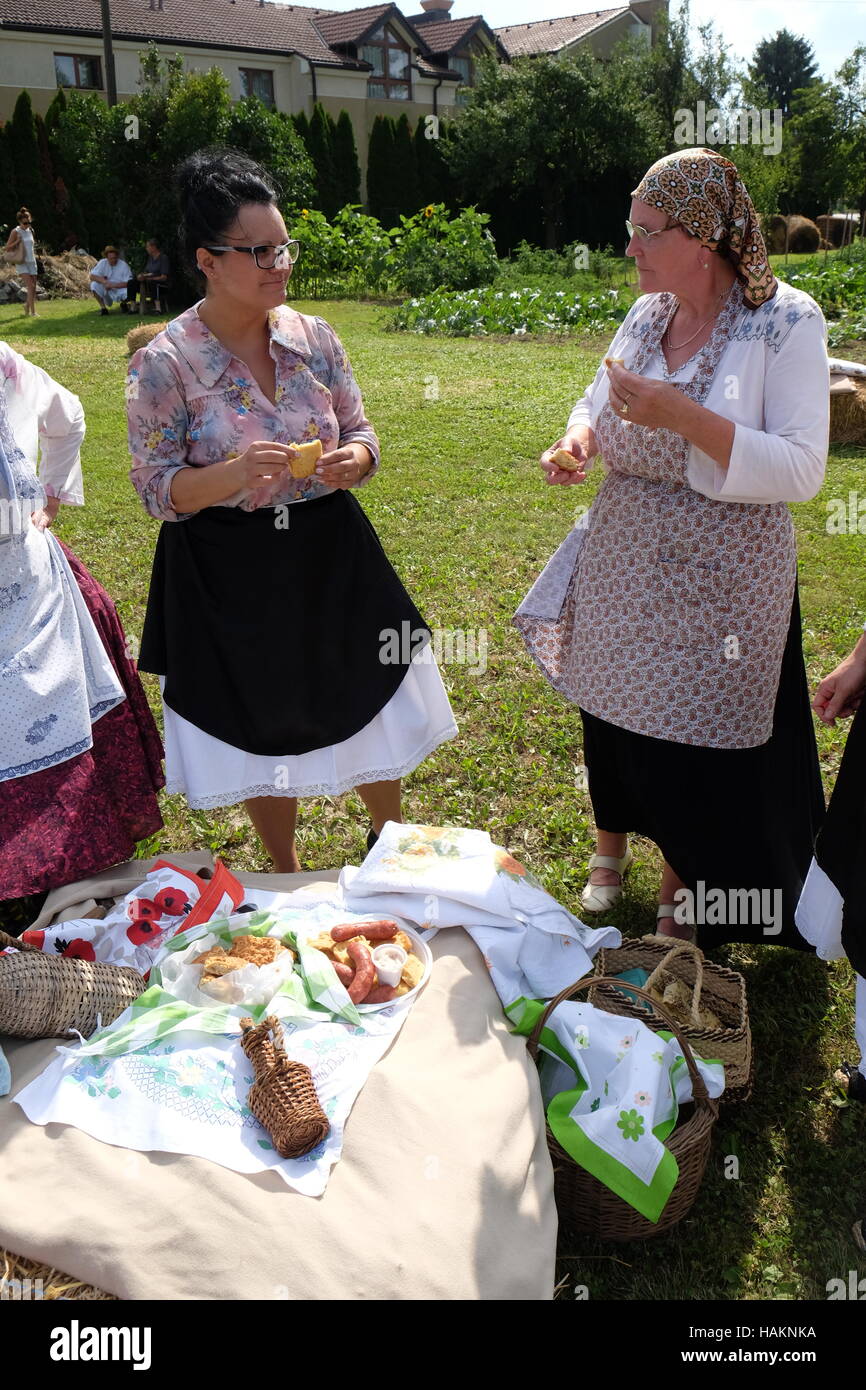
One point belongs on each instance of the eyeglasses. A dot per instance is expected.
(266, 257)
(635, 229)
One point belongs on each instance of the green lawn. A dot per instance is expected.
(464, 515)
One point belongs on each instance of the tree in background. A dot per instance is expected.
(407, 190)
(852, 105)
(347, 170)
(321, 150)
(31, 187)
(381, 200)
(783, 64)
(9, 200)
(435, 184)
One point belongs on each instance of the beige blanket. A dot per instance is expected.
(444, 1189)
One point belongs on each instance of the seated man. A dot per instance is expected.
(153, 281)
(109, 279)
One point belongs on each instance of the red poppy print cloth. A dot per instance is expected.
(168, 901)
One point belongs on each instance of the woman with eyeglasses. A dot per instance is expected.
(22, 235)
(274, 619)
(670, 614)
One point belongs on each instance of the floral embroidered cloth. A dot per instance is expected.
(455, 877)
(191, 402)
(170, 1075)
(613, 1088)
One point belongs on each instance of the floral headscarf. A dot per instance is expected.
(703, 191)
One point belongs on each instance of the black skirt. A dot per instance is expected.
(278, 638)
(728, 821)
(841, 846)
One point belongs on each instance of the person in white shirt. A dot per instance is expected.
(670, 615)
(109, 279)
(22, 235)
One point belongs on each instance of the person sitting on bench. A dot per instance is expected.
(152, 282)
(109, 278)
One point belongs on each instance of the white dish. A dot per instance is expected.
(419, 949)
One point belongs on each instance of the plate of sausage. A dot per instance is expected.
(378, 959)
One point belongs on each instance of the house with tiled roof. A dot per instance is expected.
(601, 29)
(371, 60)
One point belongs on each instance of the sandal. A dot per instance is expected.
(669, 910)
(851, 1080)
(601, 897)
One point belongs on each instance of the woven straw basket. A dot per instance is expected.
(586, 1204)
(44, 996)
(282, 1097)
(711, 986)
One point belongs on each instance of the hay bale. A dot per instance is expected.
(848, 415)
(803, 235)
(139, 337)
(775, 234)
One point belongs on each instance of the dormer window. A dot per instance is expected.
(390, 58)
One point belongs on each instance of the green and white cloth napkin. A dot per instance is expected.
(612, 1088)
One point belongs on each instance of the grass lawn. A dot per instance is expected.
(463, 513)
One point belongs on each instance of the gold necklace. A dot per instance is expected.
(676, 347)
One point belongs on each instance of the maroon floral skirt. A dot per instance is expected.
(81, 816)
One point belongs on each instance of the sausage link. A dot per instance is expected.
(381, 994)
(345, 973)
(374, 931)
(365, 971)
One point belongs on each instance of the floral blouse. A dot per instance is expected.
(191, 402)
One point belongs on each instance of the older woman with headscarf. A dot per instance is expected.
(670, 614)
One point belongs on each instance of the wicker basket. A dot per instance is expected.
(44, 996)
(586, 1204)
(282, 1097)
(712, 987)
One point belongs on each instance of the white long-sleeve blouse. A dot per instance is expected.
(773, 382)
(47, 422)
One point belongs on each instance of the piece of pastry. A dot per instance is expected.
(256, 950)
(304, 466)
(564, 459)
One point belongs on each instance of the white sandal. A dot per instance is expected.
(670, 910)
(601, 897)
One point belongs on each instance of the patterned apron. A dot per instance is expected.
(676, 612)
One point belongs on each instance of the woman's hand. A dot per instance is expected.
(343, 468)
(581, 443)
(260, 463)
(650, 403)
(839, 694)
(45, 516)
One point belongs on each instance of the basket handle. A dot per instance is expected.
(677, 949)
(17, 943)
(699, 1086)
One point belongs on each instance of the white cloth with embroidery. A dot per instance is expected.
(170, 1075)
(455, 877)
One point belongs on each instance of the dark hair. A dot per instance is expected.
(154, 241)
(212, 186)
(23, 212)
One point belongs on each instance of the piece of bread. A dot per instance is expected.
(304, 466)
(620, 362)
(256, 950)
(217, 962)
(564, 459)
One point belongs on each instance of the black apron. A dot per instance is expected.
(280, 630)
